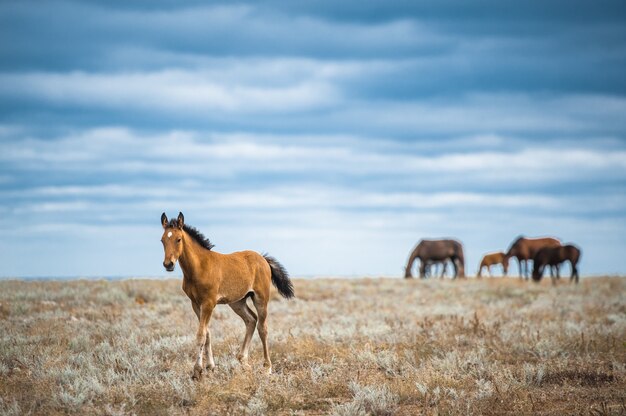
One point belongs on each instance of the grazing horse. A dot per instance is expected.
(524, 249)
(211, 278)
(553, 257)
(435, 251)
(493, 259)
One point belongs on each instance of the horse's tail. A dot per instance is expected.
(280, 277)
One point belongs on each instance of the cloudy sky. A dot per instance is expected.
(333, 135)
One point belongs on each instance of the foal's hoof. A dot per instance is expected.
(210, 367)
(267, 369)
(243, 361)
(197, 372)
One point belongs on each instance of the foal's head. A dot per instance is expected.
(172, 240)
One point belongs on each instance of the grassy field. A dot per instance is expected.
(342, 347)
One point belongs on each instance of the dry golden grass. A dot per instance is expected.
(344, 347)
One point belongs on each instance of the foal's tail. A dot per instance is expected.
(280, 277)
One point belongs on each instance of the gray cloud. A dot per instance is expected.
(483, 46)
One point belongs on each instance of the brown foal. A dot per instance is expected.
(492, 259)
(211, 278)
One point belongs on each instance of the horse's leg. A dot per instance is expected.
(261, 307)
(196, 309)
(574, 272)
(519, 264)
(208, 350)
(203, 337)
(422, 269)
(552, 278)
(242, 309)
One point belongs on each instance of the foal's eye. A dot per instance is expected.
(179, 240)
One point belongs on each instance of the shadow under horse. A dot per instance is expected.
(554, 257)
(435, 251)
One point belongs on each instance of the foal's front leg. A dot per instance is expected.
(208, 351)
(203, 338)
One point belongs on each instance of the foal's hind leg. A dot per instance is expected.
(261, 308)
(242, 309)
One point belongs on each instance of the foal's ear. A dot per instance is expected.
(164, 220)
(181, 220)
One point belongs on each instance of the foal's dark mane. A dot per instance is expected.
(194, 233)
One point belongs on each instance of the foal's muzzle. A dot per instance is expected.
(169, 266)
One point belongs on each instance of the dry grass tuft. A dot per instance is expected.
(342, 347)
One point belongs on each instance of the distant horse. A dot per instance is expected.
(430, 251)
(211, 278)
(524, 249)
(553, 257)
(493, 259)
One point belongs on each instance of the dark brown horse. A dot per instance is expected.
(553, 257)
(211, 278)
(435, 251)
(524, 249)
